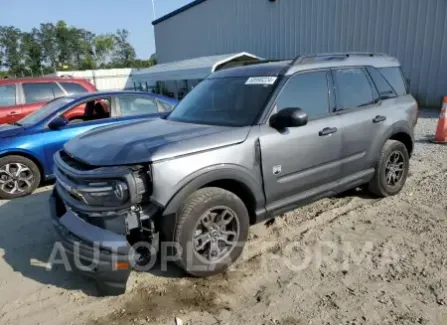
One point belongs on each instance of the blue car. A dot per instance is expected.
(27, 146)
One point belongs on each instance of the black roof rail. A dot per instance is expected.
(339, 55)
(244, 63)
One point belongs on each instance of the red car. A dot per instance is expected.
(20, 97)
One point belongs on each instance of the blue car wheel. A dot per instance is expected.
(19, 176)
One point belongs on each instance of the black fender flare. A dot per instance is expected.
(205, 176)
(398, 127)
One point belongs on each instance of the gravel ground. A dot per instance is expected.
(352, 259)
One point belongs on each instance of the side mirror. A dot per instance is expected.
(57, 123)
(288, 117)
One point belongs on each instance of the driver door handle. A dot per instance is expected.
(327, 131)
(379, 118)
(13, 113)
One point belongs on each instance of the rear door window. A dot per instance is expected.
(41, 92)
(308, 91)
(73, 88)
(133, 105)
(91, 110)
(7, 95)
(395, 77)
(353, 88)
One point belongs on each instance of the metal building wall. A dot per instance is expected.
(413, 30)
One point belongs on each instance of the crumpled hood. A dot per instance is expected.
(8, 130)
(149, 141)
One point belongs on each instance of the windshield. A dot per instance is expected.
(234, 101)
(45, 111)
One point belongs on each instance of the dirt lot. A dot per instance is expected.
(351, 259)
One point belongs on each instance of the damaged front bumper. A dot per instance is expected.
(92, 251)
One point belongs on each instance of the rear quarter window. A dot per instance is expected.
(7, 95)
(133, 105)
(383, 86)
(73, 88)
(395, 78)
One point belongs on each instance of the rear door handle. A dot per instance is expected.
(327, 131)
(379, 118)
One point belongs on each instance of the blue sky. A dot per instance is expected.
(98, 16)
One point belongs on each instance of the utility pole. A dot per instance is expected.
(153, 8)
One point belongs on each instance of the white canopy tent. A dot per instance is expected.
(197, 68)
(188, 72)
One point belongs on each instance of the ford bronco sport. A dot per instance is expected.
(246, 144)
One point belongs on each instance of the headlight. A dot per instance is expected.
(107, 194)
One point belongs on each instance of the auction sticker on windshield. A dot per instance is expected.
(261, 81)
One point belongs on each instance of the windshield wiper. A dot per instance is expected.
(15, 123)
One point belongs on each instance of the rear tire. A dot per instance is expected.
(391, 171)
(211, 230)
(19, 176)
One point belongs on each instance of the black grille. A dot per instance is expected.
(74, 163)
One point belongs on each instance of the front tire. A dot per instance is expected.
(211, 230)
(392, 169)
(19, 176)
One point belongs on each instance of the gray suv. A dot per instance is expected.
(246, 144)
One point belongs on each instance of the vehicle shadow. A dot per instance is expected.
(27, 240)
(359, 192)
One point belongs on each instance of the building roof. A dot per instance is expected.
(197, 68)
(178, 11)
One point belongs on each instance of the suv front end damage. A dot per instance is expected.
(99, 213)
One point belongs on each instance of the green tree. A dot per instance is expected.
(64, 40)
(59, 46)
(124, 53)
(153, 59)
(10, 42)
(32, 52)
(47, 40)
(1, 51)
(137, 63)
(82, 48)
(104, 46)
